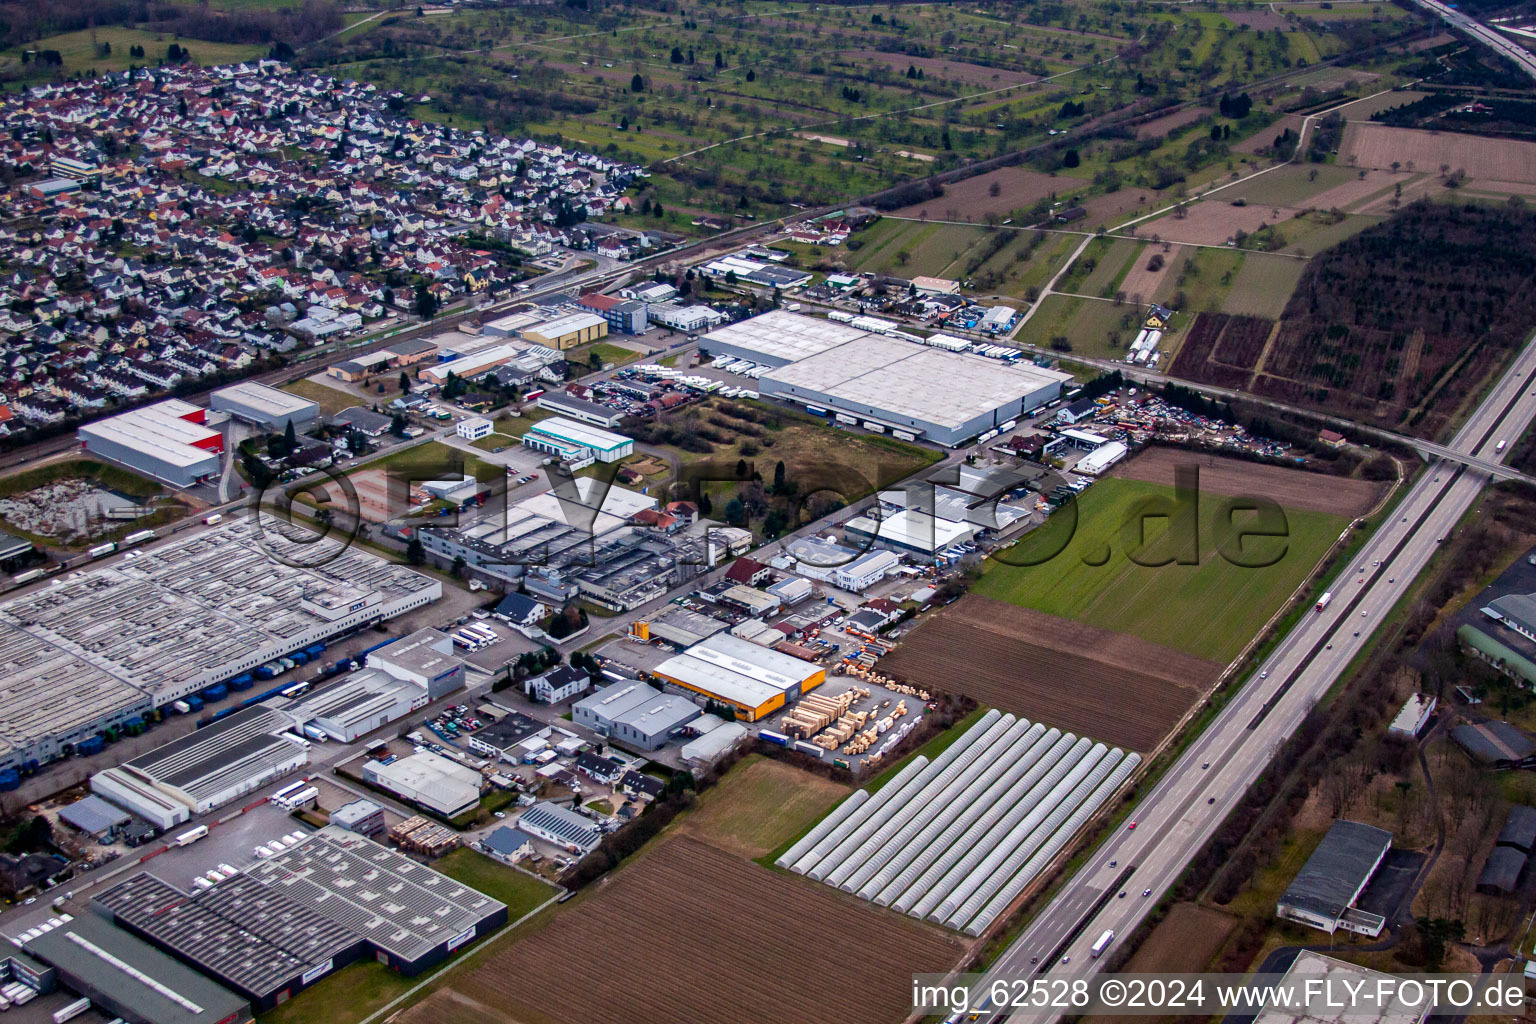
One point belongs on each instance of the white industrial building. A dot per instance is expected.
(87, 652)
(885, 384)
(474, 428)
(567, 439)
(751, 678)
(167, 441)
(683, 318)
(357, 705)
(1413, 715)
(910, 531)
(205, 769)
(442, 786)
(1101, 458)
(267, 408)
(865, 571)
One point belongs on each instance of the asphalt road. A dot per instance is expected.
(1187, 805)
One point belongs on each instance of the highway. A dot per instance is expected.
(1516, 54)
(1183, 810)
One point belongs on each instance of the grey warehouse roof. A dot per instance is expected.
(915, 381)
(1519, 830)
(562, 822)
(1340, 865)
(140, 979)
(392, 901)
(251, 937)
(780, 337)
(204, 762)
(94, 816)
(1502, 869)
(1517, 609)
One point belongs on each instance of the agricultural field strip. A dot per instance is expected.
(686, 904)
(955, 840)
(1123, 689)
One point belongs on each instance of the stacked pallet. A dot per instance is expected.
(420, 835)
(839, 731)
(815, 712)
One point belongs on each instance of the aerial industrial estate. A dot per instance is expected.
(519, 512)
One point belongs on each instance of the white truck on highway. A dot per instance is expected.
(1322, 602)
(1103, 944)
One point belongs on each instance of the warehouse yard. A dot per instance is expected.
(708, 936)
(1111, 686)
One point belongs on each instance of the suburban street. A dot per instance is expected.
(1191, 800)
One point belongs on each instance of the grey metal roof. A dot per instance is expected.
(1502, 869)
(395, 903)
(1491, 742)
(1517, 609)
(140, 981)
(1340, 865)
(94, 816)
(204, 762)
(562, 822)
(1519, 829)
(250, 937)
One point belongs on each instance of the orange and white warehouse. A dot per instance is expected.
(753, 679)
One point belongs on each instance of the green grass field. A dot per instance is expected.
(350, 994)
(1095, 328)
(909, 248)
(1263, 285)
(333, 400)
(79, 51)
(521, 892)
(1210, 609)
(431, 460)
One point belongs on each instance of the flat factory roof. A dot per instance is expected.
(206, 762)
(737, 670)
(158, 431)
(1322, 1010)
(560, 326)
(568, 430)
(265, 400)
(247, 935)
(120, 634)
(422, 651)
(395, 903)
(783, 337)
(139, 979)
(915, 381)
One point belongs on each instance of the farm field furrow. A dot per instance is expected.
(717, 938)
(1110, 686)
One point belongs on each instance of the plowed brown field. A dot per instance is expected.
(691, 933)
(1091, 681)
(1292, 488)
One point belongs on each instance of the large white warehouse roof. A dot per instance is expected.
(916, 381)
(782, 337)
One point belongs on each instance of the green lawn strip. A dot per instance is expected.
(1168, 604)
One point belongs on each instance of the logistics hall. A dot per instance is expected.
(885, 384)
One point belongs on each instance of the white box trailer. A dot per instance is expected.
(1100, 946)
